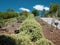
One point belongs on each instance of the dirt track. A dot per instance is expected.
(53, 36)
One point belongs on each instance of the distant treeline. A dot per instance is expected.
(6, 15)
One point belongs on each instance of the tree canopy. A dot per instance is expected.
(35, 12)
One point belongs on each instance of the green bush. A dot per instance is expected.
(6, 40)
(2, 22)
(7, 15)
(21, 38)
(44, 41)
(21, 18)
(32, 28)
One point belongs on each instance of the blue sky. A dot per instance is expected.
(28, 5)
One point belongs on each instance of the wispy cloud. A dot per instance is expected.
(40, 7)
(24, 9)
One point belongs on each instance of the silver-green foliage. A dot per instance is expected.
(21, 38)
(44, 41)
(32, 28)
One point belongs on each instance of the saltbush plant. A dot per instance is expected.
(21, 38)
(21, 18)
(32, 28)
(2, 23)
(44, 41)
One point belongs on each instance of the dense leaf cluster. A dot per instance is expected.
(7, 15)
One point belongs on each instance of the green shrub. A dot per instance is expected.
(7, 15)
(21, 38)
(32, 28)
(6, 40)
(21, 18)
(2, 22)
(44, 41)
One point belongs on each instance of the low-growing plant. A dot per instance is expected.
(32, 28)
(21, 18)
(2, 22)
(21, 38)
(44, 41)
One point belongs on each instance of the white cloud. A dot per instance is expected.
(24, 9)
(46, 8)
(41, 7)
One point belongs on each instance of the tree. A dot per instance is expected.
(6, 15)
(35, 12)
(10, 10)
(24, 13)
(23, 16)
(59, 13)
(44, 12)
(53, 9)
